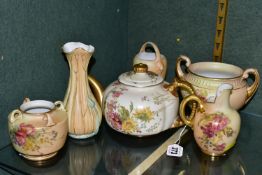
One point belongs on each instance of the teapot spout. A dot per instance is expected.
(96, 88)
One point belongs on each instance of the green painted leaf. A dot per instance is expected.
(123, 112)
(131, 106)
(142, 117)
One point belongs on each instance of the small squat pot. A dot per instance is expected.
(38, 129)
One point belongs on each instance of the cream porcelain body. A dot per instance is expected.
(206, 77)
(141, 103)
(38, 129)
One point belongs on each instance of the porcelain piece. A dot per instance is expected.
(206, 77)
(38, 129)
(217, 126)
(140, 103)
(84, 112)
(155, 61)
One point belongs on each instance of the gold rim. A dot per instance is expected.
(38, 158)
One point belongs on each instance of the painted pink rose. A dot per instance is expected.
(111, 106)
(20, 138)
(23, 131)
(115, 120)
(28, 129)
(217, 124)
(220, 122)
(220, 147)
(116, 83)
(117, 94)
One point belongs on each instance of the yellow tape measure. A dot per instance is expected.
(220, 30)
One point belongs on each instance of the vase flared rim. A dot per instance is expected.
(71, 46)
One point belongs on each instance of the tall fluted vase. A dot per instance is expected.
(84, 112)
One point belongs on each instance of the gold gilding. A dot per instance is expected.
(140, 68)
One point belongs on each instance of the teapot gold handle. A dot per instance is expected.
(96, 88)
(252, 88)
(189, 120)
(179, 71)
(173, 89)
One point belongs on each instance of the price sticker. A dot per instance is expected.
(174, 150)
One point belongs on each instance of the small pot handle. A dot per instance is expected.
(252, 88)
(15, 115)
(26, 100)
(60, 106)
(179, 71)
(48, 119)
(190, 120)
(157, 52)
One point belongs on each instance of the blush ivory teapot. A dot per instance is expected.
(206, 77)
(140, 103)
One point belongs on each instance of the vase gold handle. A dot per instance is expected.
(179, 71)
(253, 87)
(96, 88)
(189, 120)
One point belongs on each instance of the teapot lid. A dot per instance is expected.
(140, 77)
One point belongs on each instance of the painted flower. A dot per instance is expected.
(202, 94)
(219, 147)
(20, 138)
(115, 120)
(144, 98)
(144, 114)
(208, 130)
(117, 94)
(129, 125)
(221, 121)
(111, 106)
(218, 123)
(116, 83)
(23, 132)
(28, 129)
(28, 138)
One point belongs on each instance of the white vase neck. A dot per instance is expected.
(71, 46)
